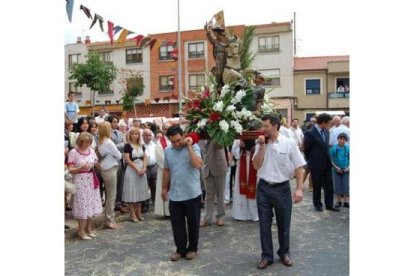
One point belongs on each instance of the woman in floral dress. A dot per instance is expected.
(86, 201)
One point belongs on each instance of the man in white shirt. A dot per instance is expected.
(102, 115)
(149, 146)
(336, 121)
(342, 128)
(297, 133)
(276, 161)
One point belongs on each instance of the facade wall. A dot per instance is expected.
(310, 101)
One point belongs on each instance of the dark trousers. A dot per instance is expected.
(181, 211)
(322, 179)
(232, 179)
(275, 197)
(119, 182)
(152, 180)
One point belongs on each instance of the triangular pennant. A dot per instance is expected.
(117, 29)
(86, 11)
(122, 37)
(131, 32)
(69, 9)
(111, 32)
(220, 18)
(152, 43)
(97, 17)
(145, 42)
(138, 39)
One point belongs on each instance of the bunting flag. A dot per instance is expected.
(220, 18)
(86, 11)
(169, 43)
(69, 9)
(138, 39)
(152, 43)
(111, 31)
(122, 37)
(144, 42)
(100, 18)
(117, 29)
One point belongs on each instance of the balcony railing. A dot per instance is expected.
(338, 95)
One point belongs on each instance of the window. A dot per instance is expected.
(167, 51)
(73, 59)
(313, 87)
(195, 81)
(134, 55)
(166, 83)
(342, 85)
(269, 44)
(73, 88)
(272, 78)
(196, 50)
(106, 57)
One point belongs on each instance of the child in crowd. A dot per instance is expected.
(340, 161)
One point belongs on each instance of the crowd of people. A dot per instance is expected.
(130, 167)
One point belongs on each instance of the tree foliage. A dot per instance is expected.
(132, 87)
(95, 74)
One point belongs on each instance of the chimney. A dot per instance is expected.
(87, 39)
(79, 39)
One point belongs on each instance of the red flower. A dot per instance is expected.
(195, 104)
(215, 116)
(206, 92)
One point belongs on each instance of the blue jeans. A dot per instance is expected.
(279, 198)
(341, 182)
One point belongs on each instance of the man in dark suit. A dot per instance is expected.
(316, 149)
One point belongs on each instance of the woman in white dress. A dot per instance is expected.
(135, 188)
(243, 208)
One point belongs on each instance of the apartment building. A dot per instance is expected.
(321, 84)
(272, 44)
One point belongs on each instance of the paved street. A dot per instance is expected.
(319, 246)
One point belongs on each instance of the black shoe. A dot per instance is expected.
(338, 204)
(333, 209)
(68, 209)
(319, 208)
(67, 227)
(346, 205)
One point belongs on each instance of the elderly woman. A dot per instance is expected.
(86, 201)
(109, 166)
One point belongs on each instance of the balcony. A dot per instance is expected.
(338, 100)
(338, 95)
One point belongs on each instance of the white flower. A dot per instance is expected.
(239, 96)
(202, 123)
(244, 114)
(224, 125)
(230, 108)
(224, 90)
(237, 126)
(218, 106)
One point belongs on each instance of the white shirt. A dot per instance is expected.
(99, 119)
(150, 153)
(108, 149)
(297, 135)
(159, 153)
(285, 132)
(281, 158)
(333, 140)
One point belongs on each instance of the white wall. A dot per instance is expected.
(282, 60)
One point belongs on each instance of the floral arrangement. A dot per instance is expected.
(222, 116)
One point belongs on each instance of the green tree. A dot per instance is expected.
(95, 74)
(132, 88)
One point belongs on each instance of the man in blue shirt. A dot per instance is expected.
(181, 183)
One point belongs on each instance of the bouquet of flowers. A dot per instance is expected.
(223, 116)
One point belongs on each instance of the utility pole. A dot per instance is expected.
(179, 63)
